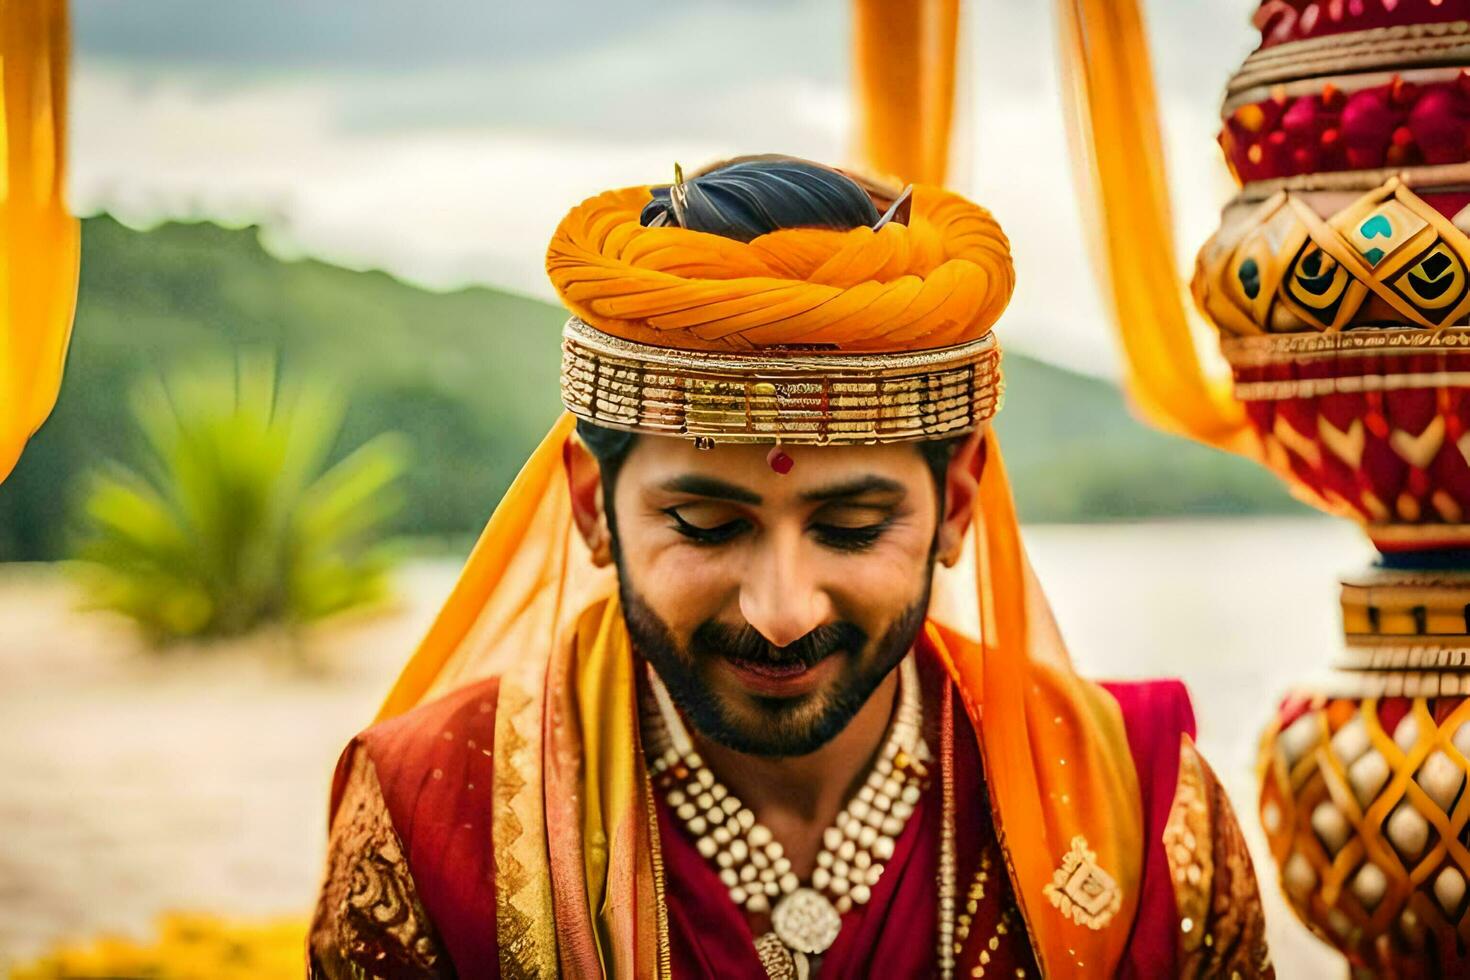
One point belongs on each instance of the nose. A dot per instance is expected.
(781, 595)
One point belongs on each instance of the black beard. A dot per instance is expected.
(790, 726)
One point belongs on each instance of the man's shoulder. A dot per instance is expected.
(426, 779)
(442, 748)
(1158, 718)
(1153, 708)
(458, 714)
(1198, 905)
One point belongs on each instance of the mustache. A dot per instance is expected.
(747, 644)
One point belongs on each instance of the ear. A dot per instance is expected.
(961, 488)
(584, 483)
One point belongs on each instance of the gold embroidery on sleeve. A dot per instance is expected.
(369, 917)
(1187, 838)
(1222, 929)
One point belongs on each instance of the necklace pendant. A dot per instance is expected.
(779, 962)
(806, 921)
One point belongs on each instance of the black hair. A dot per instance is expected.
(610, 447)
(749, 198)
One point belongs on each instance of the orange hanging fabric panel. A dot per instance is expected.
(1108, 91)
(41, 244)
(904, 69)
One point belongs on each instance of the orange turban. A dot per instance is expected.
(941, 279)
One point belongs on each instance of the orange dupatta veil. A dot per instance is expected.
(574, 851)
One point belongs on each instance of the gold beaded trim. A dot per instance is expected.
(1376, 654)
(793, 397)
(1392, 684)
(1403, 47)
(1270, 391)
(1427, 178)
(1263, 349)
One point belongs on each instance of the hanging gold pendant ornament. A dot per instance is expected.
(806, 922)
(779, 962)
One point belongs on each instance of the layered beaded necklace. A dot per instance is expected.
(805, 919)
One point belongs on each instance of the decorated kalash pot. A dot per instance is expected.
(1338, 281)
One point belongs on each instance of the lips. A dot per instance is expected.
(769, 669)
(780, 680)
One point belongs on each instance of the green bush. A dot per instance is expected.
(234, 517)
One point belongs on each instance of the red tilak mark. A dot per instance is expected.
(779, 461)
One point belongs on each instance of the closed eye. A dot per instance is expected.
(853, 525)
(848, 538)
(715, 534)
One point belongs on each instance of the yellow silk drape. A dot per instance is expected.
(1108, 90)
(904, 67)
(40, 243)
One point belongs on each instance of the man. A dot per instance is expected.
(789, 701)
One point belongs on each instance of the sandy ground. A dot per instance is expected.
(132, 783)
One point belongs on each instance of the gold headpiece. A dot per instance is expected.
(813, 399)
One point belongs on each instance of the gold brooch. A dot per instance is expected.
(1082, 890)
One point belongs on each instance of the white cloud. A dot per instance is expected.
(442, 205)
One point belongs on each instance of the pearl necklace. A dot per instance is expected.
(752, 864)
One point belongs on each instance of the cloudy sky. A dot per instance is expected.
(443, 140)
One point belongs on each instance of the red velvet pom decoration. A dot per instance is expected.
(1437, 124)
(1367, 127)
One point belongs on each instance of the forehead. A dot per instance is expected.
(655, 459)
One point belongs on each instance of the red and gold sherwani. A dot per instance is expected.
(500, 819)
(412, 874)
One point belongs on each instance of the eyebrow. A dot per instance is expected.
(854, 488)
(717, 489)
(708, 486)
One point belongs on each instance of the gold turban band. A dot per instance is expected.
(803, 335)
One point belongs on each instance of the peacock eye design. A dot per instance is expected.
(1436, 282)
(1252, 277)
(1317, 284)
(1249, 274)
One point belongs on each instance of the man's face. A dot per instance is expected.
(773, 605)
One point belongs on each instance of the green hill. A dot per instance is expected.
(470, 377)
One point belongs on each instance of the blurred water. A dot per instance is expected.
(133, 784)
